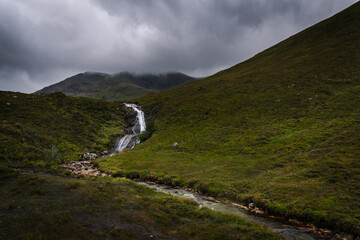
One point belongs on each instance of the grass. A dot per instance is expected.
(44, 130)
(280, 129)
(38, 200)
(42, 206)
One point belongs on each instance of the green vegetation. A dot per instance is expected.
(150, 129)
(42, 206)
(120, 86)
(38, 200)
(46, 130)
(281, 129)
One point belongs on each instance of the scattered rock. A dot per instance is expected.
(90, 156)
(175, 144)
(86, 168)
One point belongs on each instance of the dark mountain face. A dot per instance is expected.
(157, 82)
(120, 86)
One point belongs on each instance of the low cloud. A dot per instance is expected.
(43, 42)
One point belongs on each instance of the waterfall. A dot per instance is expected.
(140, 125)
(129, 140)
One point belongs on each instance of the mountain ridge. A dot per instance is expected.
(119, 86)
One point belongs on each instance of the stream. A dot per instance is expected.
(128, 141)
(288, 231)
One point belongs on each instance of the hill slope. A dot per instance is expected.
(46, 130)
(116, 87)
(281, 129)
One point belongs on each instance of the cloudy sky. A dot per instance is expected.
(43, 42)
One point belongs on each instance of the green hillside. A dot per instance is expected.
(48, 129)
(120, 86)
(281, 129)
(39, 200)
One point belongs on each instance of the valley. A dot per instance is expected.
(277, 134)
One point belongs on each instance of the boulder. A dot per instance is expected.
(175, 144)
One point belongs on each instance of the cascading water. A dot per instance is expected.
(129, 140)
(140, 125)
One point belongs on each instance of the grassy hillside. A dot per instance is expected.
(40, 201)
(47, 129)
(281, 129)
(116, 87)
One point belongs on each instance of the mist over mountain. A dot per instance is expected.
(120, 86)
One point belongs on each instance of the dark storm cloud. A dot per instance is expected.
(42, 42)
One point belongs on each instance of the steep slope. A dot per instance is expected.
(281, 129)
(120, 86)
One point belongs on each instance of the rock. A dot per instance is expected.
(241, 206)
(211, 199)
(86, 168)
(8, 103)
(90, 156)
(175, 144)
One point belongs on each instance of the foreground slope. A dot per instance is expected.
(119, 86)
(42, 206)
(38, 200)
(281, 129)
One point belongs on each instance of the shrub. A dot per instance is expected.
(150, 129)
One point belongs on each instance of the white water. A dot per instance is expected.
(129, 140)
(140, 125)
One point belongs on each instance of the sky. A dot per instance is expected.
(43, 42)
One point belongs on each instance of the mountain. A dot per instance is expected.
(119, 86)
(280, 130)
